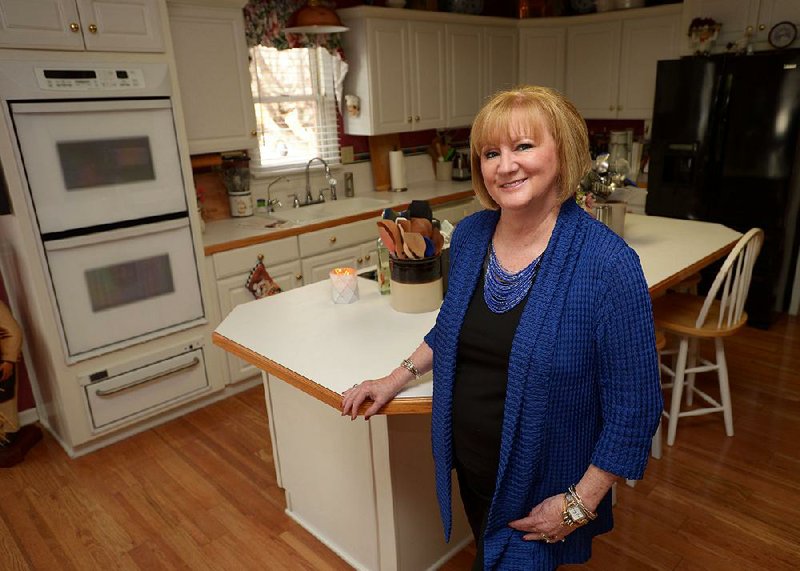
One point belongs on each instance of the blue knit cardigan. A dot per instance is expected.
(583, 385)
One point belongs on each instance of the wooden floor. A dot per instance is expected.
(200, 492)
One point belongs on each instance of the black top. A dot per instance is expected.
(479, 390)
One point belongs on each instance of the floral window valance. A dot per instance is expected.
(264, 20)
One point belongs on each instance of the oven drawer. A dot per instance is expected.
(146, 390)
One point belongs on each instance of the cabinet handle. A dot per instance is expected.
(408, 120)
(93, 28)
(359, 260)
(366, 257)
(332, 239)
(619, 107)
(298, 276)
(253, 133)
(108, 392)
(75, 27)
(416, 118)
(762, 27)
(610, 107)
(749, 29)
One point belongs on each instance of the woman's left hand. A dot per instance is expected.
(544, 523)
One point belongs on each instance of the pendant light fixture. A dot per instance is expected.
(314, 18)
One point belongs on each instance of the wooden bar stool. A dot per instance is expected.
(693, 319)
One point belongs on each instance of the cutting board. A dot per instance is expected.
(379, 147)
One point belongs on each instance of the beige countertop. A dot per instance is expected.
(222, 235)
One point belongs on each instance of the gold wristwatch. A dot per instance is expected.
(575, 514)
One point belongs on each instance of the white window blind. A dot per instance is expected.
(293, 94)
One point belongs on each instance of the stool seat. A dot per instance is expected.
(677, 313)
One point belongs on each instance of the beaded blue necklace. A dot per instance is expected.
(503, 290)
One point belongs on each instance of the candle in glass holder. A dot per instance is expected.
(344, 285)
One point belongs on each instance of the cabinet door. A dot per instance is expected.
(454, 213)
(232, 292)
(644, 42)
(426, 43)
(464, 73)
(501, 55)
(121, 25)
(389, 76)
(771, 12)
(542, 53)
(214, 78)
(317, 268)
(46, 24)
(593, 68)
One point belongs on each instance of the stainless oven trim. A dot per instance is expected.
(114, 235)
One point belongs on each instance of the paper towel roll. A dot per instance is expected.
(397, 170)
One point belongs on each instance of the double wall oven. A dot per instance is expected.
(107, 192)
(99, 166)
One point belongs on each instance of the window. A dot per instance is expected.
(293, 93)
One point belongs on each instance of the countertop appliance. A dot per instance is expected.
(461, 168)
(725, 148)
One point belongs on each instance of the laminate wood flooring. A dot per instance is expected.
(199, 492)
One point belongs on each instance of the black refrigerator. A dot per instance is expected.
(725, 148)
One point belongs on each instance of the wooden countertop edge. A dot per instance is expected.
(408, 405)
(297, 230)
(660, 288)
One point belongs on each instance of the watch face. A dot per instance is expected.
(576, 513)
(782, 34)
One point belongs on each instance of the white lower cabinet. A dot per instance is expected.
(455, 212)
(317, 268)
(232, 269)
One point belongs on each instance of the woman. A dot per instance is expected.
(543, 354)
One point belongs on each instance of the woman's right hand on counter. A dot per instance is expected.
(380, 391)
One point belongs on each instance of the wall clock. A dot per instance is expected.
(782, 34)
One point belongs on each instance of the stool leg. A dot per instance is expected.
(724, 388)
(691, 362)
(677, 389)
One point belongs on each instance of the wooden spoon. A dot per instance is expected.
(397, 239)
(438, 241)
(404, 223)
(415, 243)
(422, 226)
(386, 238)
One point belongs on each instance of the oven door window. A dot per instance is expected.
(133, 281)
(105, 162)
(121, 287)
(92, 163)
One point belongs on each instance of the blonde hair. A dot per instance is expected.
(541, 107)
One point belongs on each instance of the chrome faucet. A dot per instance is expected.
(328, 176)
(271, 203)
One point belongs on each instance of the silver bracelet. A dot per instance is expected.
(409, 366)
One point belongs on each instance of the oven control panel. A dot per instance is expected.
(101, 79)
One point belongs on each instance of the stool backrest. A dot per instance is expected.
(733, 280)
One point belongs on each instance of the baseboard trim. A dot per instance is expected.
(28, 416)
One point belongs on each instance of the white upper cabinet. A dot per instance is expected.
(397, 70)
(501, 52)
(739, 17)
(465, 85)
(611, 65)
(107, 25)
(210, 43)
(542, 54)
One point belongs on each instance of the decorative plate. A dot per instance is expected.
(582, 6)
(782, 34)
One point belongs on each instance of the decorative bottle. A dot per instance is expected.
(383, 269)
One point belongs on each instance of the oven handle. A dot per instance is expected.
(110, 392)
(112, 235)
(91, 106)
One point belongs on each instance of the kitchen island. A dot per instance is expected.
(366, 488)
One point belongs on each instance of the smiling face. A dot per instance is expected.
(520, 167)
(527, 144)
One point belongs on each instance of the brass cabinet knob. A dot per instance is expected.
(93, 28)
(332, 239)
(749, 29)
(610, 107)
(253, 133)
(359, 259)
(408, 119)
(75, 27)
(416, 118)
(762, 27)
(298, 276)
(619, 107)
(366, 257)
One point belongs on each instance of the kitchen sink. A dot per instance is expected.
(330, 209)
